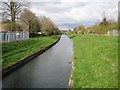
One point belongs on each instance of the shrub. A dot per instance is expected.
(11, 27)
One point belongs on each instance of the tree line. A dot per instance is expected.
(16, 16)
(98, 28)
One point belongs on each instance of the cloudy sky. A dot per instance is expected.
(70, 13)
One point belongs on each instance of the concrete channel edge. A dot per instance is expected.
(70, 85)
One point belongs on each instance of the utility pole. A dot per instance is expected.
(119, 15)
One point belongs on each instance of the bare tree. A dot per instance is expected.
(11, 9)
(48, 27)
(29, 21)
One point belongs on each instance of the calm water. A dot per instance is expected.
(49, 70)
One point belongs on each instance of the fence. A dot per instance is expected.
(13, 36)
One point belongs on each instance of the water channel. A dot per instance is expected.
(49, 70)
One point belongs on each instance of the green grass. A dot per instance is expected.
(95, 61)
(13, 52)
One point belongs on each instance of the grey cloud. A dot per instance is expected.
(56, 7)
(67, 14)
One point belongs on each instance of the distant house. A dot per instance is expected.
(113, 32)
(8, 36)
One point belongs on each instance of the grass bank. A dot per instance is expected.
(13, 52)
(95, 61)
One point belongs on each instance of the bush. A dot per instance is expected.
(12, 27)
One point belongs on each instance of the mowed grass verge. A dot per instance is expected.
(95, 61)
(13, 52)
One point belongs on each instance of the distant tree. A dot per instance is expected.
(30, 22)
(70, 30)
(74, 30)
(79, 29)
(103, 25)
(104, 21)
(57, 31)
(48, 27)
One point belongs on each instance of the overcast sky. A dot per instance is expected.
(70, 13)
